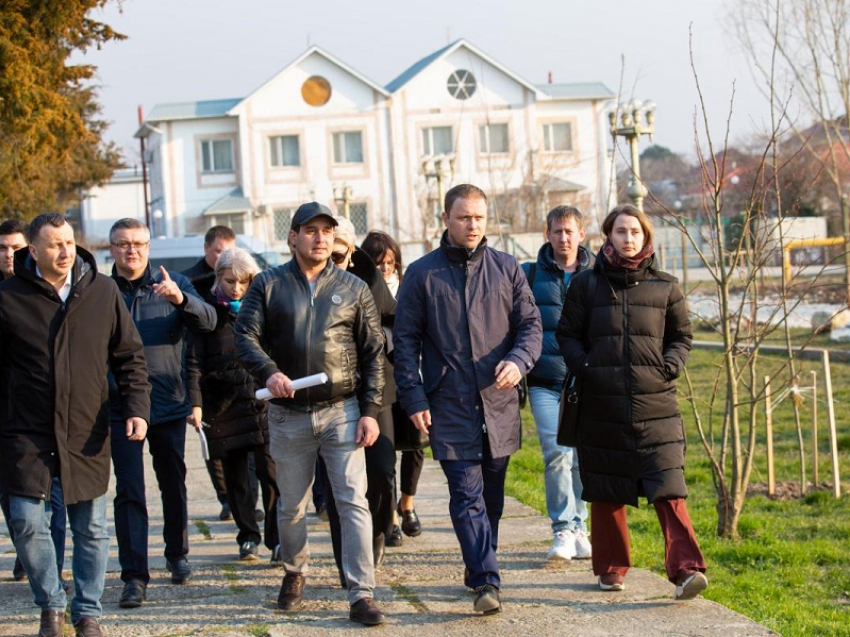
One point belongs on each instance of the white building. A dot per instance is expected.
(320, 130)
(122, 196)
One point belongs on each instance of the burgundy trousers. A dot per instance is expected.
(610, 533)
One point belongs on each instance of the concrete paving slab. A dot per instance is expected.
(420, 584)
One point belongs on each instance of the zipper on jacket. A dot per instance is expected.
(627, 344)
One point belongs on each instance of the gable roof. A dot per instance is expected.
(319, 51)
(577, 91)
(231, 203)
(414, 70)
(191, 110)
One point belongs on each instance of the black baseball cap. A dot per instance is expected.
(309, 211)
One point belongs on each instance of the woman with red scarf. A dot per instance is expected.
(624, 331)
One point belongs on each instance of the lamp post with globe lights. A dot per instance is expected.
(631, 120)
(438, 168)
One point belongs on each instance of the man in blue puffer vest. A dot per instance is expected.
(558, 260)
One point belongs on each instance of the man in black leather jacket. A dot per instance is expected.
(303, 318)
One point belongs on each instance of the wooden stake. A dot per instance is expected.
(815, 478)
(830, 409)
(768, 432)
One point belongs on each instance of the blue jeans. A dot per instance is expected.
(476, 502)
(567, 510)
(31, 523)
(295, 440)
(58, 520)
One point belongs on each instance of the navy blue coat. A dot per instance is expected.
(549, 292)
(463, 314)
(162, 326)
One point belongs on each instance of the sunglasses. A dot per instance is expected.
(338, 257)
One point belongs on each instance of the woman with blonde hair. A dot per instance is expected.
(625, 333)
(235, 419)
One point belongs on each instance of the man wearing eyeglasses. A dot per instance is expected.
(299, 319)
(162, 304)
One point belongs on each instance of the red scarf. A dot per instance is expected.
(617, 260)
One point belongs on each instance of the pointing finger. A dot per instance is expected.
(165, 276)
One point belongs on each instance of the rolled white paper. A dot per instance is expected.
(205, 449)
(298, 383)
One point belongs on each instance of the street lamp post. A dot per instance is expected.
(342, 195)
(438, 168)
(158, 230)
(678, 206)
(634, 120)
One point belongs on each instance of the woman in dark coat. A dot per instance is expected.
(235, 420)
(625, 331)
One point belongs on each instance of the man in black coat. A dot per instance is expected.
(62, 327)
(202, 276)
(163, 305)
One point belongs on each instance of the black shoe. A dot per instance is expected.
(364, 611)
(51, 623)
(378, 549)
(276, 557)
(248, 552)
(134, 593)
(410, 522)
(394, 538)
(179, 569)
(259, 515)
(18, 572)
(87, 627)
(291, 592)
(487, 600)
(226, 513)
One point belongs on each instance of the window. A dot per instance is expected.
(558, 137)
(348, 147)
(217, 156)
(284, 151)
(235, 222)
(494, 138)
(437, 140)
(461, 84)
(359, 215)
(282, 223)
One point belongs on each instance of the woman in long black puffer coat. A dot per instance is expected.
(624, 331)
(235, 421)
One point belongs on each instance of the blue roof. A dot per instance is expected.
(577, 91)
(191, 110)
(419, 66)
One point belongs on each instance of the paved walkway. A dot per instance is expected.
(419, 585)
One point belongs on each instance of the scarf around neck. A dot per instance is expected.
(626, 263)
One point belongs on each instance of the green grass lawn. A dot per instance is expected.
(790, 568)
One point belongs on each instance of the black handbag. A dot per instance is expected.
(570, 407)
(407, 436)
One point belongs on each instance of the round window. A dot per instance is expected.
(461, 84)
(316, 90)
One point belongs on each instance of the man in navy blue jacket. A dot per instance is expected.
(162, 304)
(558, 260)
(466, 311)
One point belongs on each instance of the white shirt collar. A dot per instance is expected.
(65, 290)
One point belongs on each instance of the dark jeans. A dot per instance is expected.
(58, 521)
(476, 502)
(380, 490)
(216, 472)
(167, 444)
(411, 468)
(237, 470)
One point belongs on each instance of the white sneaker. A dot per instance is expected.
(583, 548)
(563, 546)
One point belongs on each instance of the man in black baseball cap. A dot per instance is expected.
(309, 211)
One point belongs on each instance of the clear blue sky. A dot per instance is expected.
(183, 50)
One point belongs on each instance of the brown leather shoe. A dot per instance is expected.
(51, 623)
(364, 611)
(87, 627)
(291, 591)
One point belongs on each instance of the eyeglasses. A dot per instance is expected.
(125, 246)
(338, 257)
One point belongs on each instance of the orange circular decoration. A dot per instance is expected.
(316, 90)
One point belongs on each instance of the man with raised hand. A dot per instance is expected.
(467, 320)
(303, 318)
(62, 327)
(163, 304)
(558, 260)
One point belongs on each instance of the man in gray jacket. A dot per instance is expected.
(465, 310)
